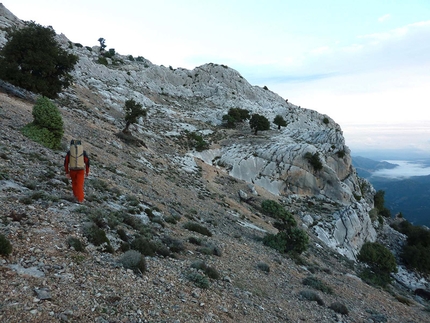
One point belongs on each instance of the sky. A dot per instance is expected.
(366, 64)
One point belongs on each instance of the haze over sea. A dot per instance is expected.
(405, 169)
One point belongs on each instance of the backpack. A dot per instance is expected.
(76, 160)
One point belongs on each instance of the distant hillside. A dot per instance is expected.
(365, 166)
(409, 196)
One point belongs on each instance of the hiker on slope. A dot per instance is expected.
(76, 166)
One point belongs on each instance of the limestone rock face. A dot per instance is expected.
(276, 160)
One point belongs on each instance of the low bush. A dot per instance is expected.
(381, 263)
(196, 241)
(134, 260)
(75, 243)
(47, 126)
(193, 226)
(198, 280)
(143, 245)
(5, 246)
(314, 160)
(174, 245)
(294, 240)
(211, 272)
(310, 295)
(209, 249)
(263, 267)
(339, 308)
(96, 236)
(316, 283)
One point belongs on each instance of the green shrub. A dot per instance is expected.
(311, 296)
(32, 59)
(341, 153)
(381, 263)
(316, 283)
(195, 240)
(122, 234)
(211, 272)
(277, 211)
(294, 240)
(174, 245)
(47, 126)
(195, 140)
(339, 308)
(193, 226)
(198, 280)
(134, 260)
(102, 60)
(263, 267)
(75, 243)
(209, 249)
(5, 246)
(95, 235)
(144, 246)
(314, 160)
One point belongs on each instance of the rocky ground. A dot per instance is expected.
(46, 280)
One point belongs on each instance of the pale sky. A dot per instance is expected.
(366, 64)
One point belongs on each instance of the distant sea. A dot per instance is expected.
(406, 169)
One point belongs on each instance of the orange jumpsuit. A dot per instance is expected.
(77, 176)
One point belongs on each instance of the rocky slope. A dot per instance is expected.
(45, 280)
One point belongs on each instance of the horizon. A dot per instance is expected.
(364, 64)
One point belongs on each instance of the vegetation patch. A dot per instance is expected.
(310, 295)
(316, 283)
(133, 260)
(193, 226)
(5, 246)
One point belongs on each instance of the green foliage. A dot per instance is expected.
(5, 246)
(174, 245)
(47, 126)
(195, 241)
(311, 296)
(102, 60)
(379, 202)
(259, 122)
(97, 236)
(193, 226)
(316, 283)
(133, 111)
(279, 121)
(211, 272)
(235, 115)
(277, 211)
(325, 120)
(197, 141)
(75, 243)
(293, 240)
(341, 153)
(229, 121)
(381, 263)
(263, 267)
(32, 59)
(198, 280)
(134, 260)
(144, 246)
(416, 252)
(314, 160)
(339, 308)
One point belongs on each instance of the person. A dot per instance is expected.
(77, 175)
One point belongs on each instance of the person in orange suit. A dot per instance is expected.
(77, 176)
